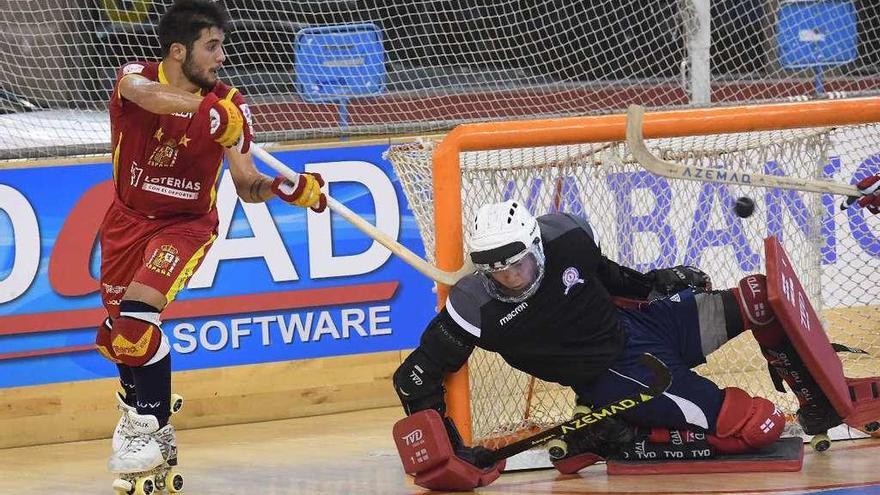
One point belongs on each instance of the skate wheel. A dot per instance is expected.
(872, 427)
(144, 486)
(557, 449)
(820, 443)
(174, 482)
(176, 403)
(122, 486)
(580, 410)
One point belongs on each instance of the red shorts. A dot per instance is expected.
(161, 253)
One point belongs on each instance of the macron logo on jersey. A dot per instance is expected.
(509, 316)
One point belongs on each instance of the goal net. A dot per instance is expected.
(645, 221)
(432, 64)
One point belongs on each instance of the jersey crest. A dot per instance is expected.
(165, 154)
(570, 278)
(164, 260)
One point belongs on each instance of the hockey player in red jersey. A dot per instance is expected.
(173, 122)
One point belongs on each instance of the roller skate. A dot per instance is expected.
(584, 447)
(147, 455)
(123, 432)
(558, 448)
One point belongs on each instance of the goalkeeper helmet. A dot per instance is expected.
(505, 247)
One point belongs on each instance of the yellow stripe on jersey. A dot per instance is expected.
(188, 270)
(214, 186)
(162, 78)
(116, 160)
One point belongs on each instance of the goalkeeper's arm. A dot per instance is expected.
(443, 349)
(626, 282)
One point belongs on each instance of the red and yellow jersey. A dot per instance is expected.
(166, 165)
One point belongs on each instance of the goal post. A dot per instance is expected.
(488, 161)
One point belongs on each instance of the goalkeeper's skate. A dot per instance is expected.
(147, 454)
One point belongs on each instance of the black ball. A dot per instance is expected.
(744, 207)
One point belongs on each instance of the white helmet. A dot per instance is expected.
(501, 235)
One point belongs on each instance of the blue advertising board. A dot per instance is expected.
(280, 283)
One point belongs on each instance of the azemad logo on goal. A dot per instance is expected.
(279, 283)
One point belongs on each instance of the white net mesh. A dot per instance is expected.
(441, 62)
(645, 221)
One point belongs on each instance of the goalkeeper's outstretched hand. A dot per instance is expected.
(668, 281)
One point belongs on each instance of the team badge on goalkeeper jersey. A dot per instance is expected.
(570, 278)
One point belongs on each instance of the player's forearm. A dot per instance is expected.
(158, 98)
(623, 281)
(258, 190)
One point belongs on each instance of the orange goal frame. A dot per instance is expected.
(597, 129)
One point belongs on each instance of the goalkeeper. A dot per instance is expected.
(546, 299)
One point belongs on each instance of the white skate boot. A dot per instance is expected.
(146, 456)
(123, 432)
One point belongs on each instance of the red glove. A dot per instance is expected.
(225, 119)
(431, 450)
(870, 189)
(306, 192)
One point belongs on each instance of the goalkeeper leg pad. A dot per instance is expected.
(427, 454)
(746, 423)
(816, 415)
(573, 464)
(664, 444)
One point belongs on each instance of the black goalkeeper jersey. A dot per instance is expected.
(568, 331)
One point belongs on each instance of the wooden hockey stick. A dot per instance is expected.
(636, 142)
(411, 258)
(662, 379)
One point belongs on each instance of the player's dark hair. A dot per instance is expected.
(184, 21)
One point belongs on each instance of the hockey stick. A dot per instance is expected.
(636, 142)
(662, 381)
(411, 258)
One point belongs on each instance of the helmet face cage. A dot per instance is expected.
(497, 291)
(503, 234)
(501, 265)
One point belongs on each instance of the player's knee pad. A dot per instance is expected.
(102, 341)
(136, 342)
(428, 454)
(757, 313)
(746, 423)
(753, 301)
